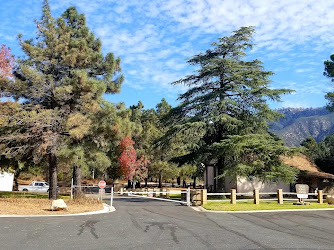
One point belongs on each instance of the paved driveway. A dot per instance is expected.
(145, 224)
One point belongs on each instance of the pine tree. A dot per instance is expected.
(152, 129)
(65, 72)
(226, 107)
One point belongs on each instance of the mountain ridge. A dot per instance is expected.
(300, 123)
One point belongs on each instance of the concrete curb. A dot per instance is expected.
(106, 209)
(201, 209)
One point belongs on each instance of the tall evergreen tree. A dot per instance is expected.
(65, 72)
(226, 108)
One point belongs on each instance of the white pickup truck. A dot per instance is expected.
(35, 186)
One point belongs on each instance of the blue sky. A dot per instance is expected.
(154, 38)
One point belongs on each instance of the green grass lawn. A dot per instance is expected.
(264, 205)
(175, 196)
(4, 194)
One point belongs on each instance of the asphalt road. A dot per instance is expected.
(145, 224)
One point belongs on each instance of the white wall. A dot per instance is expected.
(6, 181)
(244, 186)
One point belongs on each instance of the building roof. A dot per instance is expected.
(303, 163)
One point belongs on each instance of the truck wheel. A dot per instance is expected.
(25, 190)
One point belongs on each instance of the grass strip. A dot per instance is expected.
(264, 205)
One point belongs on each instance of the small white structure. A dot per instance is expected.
(6, 181)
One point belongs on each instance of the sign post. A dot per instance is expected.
(111, 195)
(102, 185)
(302, 193)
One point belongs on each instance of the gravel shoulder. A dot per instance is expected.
(31, 206)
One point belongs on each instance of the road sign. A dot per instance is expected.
(102, 191)
(302, 191)
(102, 184)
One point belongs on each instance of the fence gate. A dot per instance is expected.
(93, 191)
(151, 194)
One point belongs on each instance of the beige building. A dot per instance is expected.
(309, 174)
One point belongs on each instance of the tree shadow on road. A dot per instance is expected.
(91, 225)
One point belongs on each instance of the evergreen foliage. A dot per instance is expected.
(322, 153)
(65, 73)
(224, 113)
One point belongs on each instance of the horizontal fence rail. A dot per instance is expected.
(232, 196)
(150, 192)
(156, 198)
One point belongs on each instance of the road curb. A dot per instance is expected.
(202, 209)
(106, 209)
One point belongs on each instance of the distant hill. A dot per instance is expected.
(300, 123)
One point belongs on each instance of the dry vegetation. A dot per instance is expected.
(31, 206)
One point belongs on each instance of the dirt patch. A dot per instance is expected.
(30, 206)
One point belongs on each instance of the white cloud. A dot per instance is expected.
(154, 38)
(303, 70)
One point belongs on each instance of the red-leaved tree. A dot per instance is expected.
(6, 62)
(141, 168)
(128, 158)
(132, 169)
(6, 65)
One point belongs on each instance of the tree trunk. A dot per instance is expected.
(160, 181)
(53, 181)
(77, 191)
(16, 177)
(220, 181)
(194, 184)
(179, 180)
(145, 182)
(129, 184)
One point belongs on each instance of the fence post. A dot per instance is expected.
(320, 197)
(280, 196)
(121, 190)
(188, 197)
(233, 196)
(204, 196)
(72, 189)
(167, 192)
(111, 195)
(256, 196)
